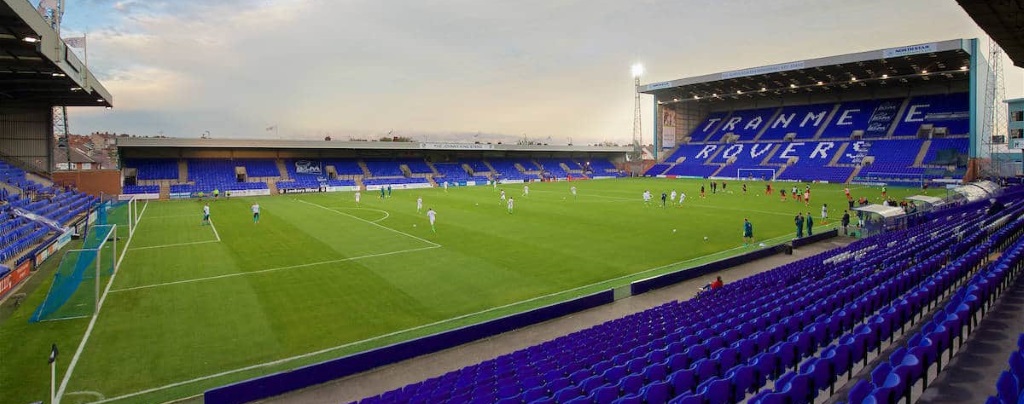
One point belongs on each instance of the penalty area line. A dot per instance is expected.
(370, 222)
(95, 316)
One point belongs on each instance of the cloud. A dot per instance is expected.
(539, 67)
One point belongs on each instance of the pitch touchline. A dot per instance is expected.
(399, 332)
(311, 264)
(92, 322)
(367, 221)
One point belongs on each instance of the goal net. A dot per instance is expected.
(125, 214)
(76, 284)
(754, 174)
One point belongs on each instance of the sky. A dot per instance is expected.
(547, 70)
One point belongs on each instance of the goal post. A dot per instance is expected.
(79, 277)
(767, 174)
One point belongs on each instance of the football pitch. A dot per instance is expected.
(195, 306)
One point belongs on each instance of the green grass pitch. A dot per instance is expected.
(193, 307)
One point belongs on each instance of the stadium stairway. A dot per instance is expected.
(854, 174)
(366, 170)
(828, 120)
(182, 171)
(284, 173)
(922, 153)
(838, 154)
(165, 191)
(433, 170)
(489, 166)
(272, 185)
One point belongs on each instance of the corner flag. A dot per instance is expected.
(53, 353)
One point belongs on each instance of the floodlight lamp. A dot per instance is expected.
(675, 100)
(764, 89)
(963, 67)
(714, 94)
(30, 39)
(821, 82)
(637, 70)
(739, 91)
(853, 78)
(58, 74)
(792, 86)
(885, 76)
(696, 97)
(110, 107)
(924, 72)
(99, 100)
(76, 88)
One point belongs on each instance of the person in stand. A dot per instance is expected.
(846, 222)
(810, 224)
(799, 222)
(713, 285)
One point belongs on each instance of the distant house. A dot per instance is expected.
(79, 160)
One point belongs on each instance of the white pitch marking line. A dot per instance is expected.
(373, 223)
(87, 393)
(386, 214)
(399, 332)
(214, 230)
(169, 217)
(311, 264)
(175, 245)
(95, 316)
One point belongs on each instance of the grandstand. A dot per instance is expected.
(272, 167)
(900, 115)
(37, 217)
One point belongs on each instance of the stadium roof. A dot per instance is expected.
(935, 61)
(152, 143)
(36, 67)
(1001, 20)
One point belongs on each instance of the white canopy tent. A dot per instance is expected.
(878, 219)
